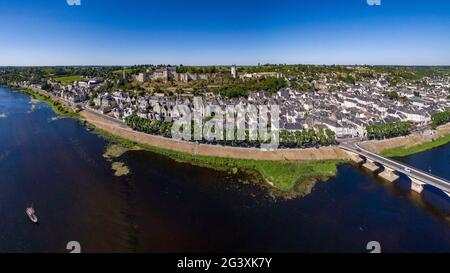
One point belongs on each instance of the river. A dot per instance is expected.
(57, 165)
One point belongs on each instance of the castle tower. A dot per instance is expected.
(234, 71)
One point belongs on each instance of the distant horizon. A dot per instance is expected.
(221, 65)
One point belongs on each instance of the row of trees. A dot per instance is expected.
(288, 139)
(305, 138)
(388, 130)
(153, 127)
(440, 118)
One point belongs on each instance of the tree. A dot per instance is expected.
(47, 87)
(157, 89)
(388, 130)
(440, 118)
(392, 95)
(179, 91)
(154, 127)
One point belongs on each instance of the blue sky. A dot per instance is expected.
(200, 32)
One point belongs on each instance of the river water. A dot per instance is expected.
(164, 206)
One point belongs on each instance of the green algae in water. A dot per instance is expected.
(120, 169)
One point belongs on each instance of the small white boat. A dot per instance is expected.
(31, 215)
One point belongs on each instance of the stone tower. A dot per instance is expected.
(234, 71)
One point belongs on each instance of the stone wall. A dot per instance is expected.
(323, 153)
(378, 146)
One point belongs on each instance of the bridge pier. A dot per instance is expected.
(355, 158)
(389, 175)
(417, 185)
(371, 166)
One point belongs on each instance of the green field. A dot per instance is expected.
(69, 79)
(402, 151)
(120, 71)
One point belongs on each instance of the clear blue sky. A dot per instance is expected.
(204, 32)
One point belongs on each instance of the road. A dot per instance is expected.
(110, 119)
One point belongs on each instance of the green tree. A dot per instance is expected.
(440, 118)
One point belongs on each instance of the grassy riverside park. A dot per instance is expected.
(289, 178)
(402, 151)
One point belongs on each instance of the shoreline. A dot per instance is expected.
(422, 147)
(58, 106)
(288, 179)
(117, 128)
(410, 144)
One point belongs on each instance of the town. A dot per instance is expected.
(334, 102)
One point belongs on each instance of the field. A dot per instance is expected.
(69, 79)
(120, 71)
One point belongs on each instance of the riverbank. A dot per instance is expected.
(118, 128)
(403, 151)
(283, 178)
(407, 145)
(288, 172)
(58, 106)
